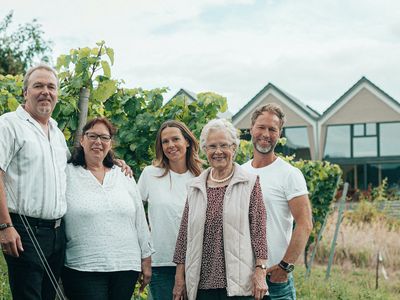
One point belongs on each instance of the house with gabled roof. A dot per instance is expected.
(300, 127)
(360, 131)
(191, 96)
(185, 93)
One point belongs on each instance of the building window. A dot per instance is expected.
(389, 143)
(362, 140)
(365, 140)
(297, 142)
(338, 142)
(365, 146)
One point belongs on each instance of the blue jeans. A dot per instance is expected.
(162, 282)
(281, 291)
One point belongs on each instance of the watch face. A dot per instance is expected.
(286, 266)
(264, 267)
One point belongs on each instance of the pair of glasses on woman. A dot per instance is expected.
(93, 137)
(213, 147)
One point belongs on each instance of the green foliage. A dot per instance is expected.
(11, 88)
(83, 68)
(20, 48)
(141, 114)
(373, 207)
(365, 212)
(322, 180)
(380, 193)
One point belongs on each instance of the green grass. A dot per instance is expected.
(4, 288)
(343, 284)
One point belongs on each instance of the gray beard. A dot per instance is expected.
(263, 150)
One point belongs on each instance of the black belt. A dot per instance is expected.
(36, 222)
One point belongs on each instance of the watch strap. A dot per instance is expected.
(5, 225)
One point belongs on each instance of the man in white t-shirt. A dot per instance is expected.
(286, 199)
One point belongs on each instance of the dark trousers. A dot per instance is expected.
(218, 294)
(79, 285)
(27, 275)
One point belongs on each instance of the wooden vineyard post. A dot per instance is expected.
(339, 220)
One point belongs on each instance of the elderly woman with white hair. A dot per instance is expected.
(221, 249)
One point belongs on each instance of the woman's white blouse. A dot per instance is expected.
(106, 226)
(166, 197)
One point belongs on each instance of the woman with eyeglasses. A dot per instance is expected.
(221, 249)
(163, 186)
(108, 241)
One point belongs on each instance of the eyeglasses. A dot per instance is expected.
(93, 137)
(214, 148)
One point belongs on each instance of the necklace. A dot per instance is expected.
(220, 180)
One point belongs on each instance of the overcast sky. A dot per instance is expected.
(314, 50)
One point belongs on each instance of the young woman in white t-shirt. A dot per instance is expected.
(163, 186)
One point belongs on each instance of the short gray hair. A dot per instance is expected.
(223, 125)
(41, 66)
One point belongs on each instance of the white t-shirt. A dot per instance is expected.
(280, 183)
(106, 226)
(166, 197)
(34, 166)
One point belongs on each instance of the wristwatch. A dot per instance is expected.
(263, 267)
(288, 267)
(5, 225)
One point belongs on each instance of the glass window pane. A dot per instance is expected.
(392, 173)
(297, 142)
(358, 129)
(372, 175)
(348, 174)
(365, 146)
(371, 129)
(337, 141)
(389, 142)
(361, 177)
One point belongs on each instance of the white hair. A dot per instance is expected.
(223, 125)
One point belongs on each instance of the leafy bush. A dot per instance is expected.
(10, 92)
(372, 207)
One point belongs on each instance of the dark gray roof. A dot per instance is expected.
(305, 108)
(184, 92)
